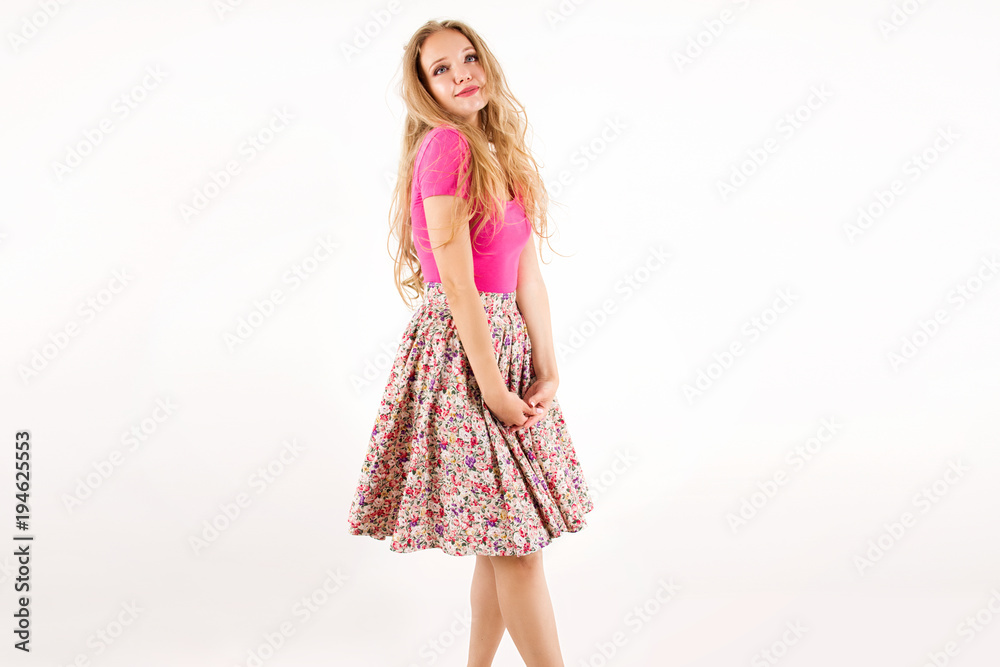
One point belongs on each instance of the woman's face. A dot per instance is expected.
(450, 66)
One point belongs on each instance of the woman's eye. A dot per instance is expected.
(471, 55)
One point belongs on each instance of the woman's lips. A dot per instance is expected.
(471, 92)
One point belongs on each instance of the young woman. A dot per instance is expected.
(470, 453)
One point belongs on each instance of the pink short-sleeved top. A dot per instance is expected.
(494, 255)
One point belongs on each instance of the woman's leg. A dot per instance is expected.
(527, 608)
(487, 621)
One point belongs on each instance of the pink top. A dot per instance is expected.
(494, 255)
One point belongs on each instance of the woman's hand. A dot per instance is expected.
(509, 409)
(539, 399)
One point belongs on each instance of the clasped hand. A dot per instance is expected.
(516, 413)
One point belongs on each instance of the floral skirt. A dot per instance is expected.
(441, 471)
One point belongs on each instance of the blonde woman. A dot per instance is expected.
(470, 453)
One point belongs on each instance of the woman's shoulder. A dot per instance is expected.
(445, 133)
(445, 127)
(443, 139)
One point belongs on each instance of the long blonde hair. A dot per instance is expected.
(493, 178)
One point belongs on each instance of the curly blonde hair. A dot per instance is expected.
(493, 177)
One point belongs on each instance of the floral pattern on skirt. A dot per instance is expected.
(441, 471)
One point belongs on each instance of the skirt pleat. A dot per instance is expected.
(441, 471)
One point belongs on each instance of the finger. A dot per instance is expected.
(535, 419)
(537, 412)
(528, 424)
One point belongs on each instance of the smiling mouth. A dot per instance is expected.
(469, 92)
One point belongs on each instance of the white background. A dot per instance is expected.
(313, 371)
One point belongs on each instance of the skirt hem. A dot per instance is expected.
(450, 549)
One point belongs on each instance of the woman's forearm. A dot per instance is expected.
(474, 332)
(533, 302)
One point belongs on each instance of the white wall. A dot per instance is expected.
(869, 103)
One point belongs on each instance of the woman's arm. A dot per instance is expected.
(454, 263)
(533, 302)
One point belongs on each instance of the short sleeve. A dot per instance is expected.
(445, 153)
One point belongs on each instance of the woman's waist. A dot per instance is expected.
(495, 303)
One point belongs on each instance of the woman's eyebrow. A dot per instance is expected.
(431, 66)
